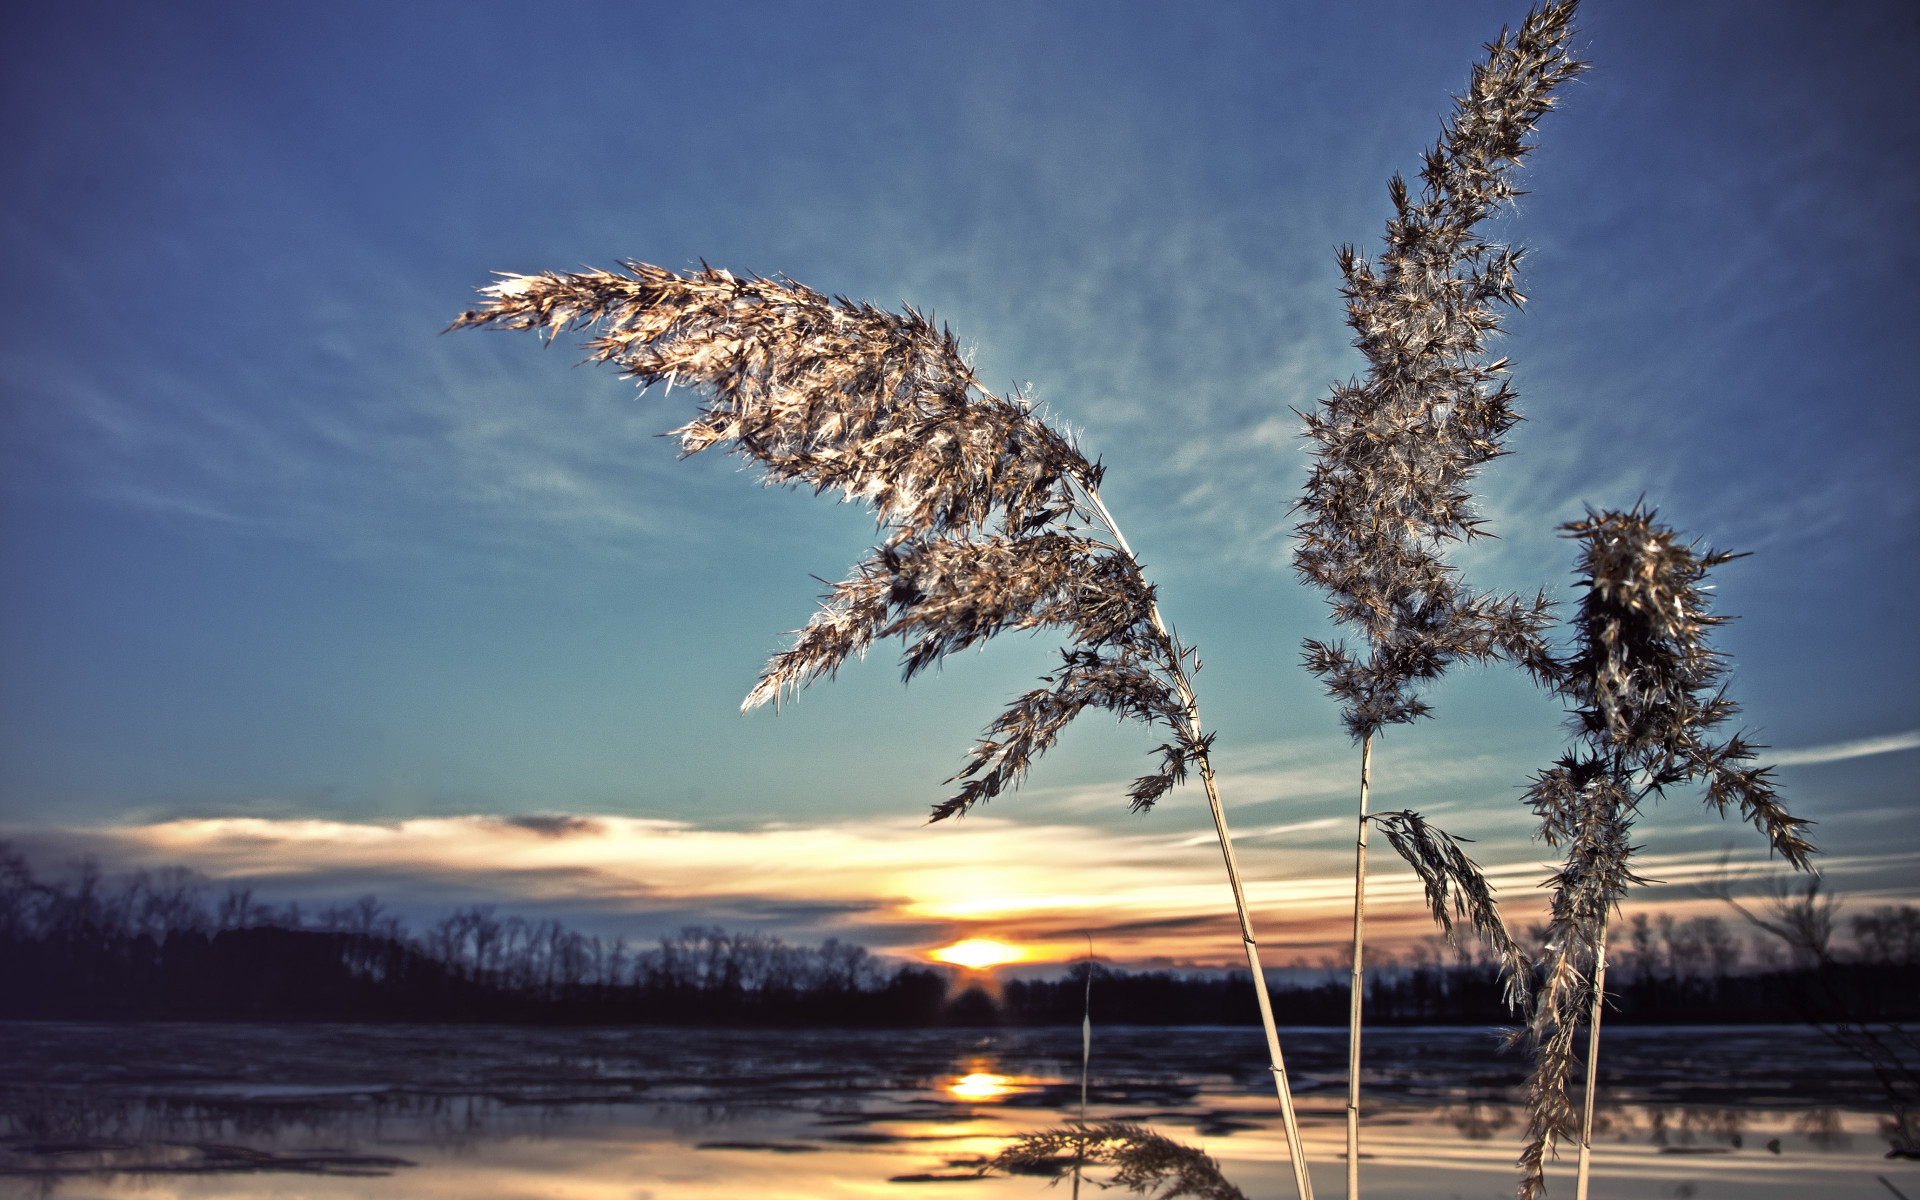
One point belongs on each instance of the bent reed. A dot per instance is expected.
(992, 519)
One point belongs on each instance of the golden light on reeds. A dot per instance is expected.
(977, 954)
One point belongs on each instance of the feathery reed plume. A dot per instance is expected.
(1647, 693)
(992, 520)
(1148, 1164)
(1456, 887)
(1394, 455)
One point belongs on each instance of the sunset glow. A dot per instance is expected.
(979, 953)
(1151, 894)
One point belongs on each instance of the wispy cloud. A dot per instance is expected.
(1308, 770)
(1837, 751)
(327, 409)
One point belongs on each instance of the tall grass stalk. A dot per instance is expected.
(1086, 1060)
(992, 519)
(1593, 1062)
(1394, 455)
(1356, 981)
(1086, 1031)
(1645, 692)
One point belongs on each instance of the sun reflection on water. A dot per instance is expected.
(981, 1086)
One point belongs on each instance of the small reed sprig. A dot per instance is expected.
(1146, 1163)
(992, 519)
(1647, 692)
(1456, 887)
(1394, 455)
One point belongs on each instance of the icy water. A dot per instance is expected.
(331, 1112)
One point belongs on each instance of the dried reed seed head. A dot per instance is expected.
(941, 595)
(1394, 456)
(830, 394)
(989, 512)
(1595, 813)
(1127, 682)
(1647, 691)
(1148, 1164)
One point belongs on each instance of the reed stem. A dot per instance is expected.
(1086, 1059)
(1593, 1060)
(1086, 1031)
(1303, 1183)
(1355, 993)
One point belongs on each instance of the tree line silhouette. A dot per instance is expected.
(163, 945)
(166, 944)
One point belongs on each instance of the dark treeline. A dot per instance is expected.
(1434, 994)
(1662, 971)
(167, 945)
(1454, 994)
(163, 945)
(1690, 972)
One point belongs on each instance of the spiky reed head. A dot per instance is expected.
(1647, 688)
(1148, 1164)
(1393, 456)
(990, 517)
(1646, 691)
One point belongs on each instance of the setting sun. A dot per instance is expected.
(979, 953)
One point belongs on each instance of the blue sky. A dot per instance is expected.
(272, 550)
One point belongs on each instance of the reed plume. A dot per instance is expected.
(1394, 455)
(991, 519)
(1646, 691)
(1147, 1163)
(1456, 888)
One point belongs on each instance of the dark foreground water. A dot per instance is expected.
(491, 1113)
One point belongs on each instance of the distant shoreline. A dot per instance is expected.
(271, 974)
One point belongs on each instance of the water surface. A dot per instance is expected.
(492, 1113)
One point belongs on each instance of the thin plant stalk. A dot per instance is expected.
(1355, 984)
(1086, 1060)
(1301, 1181)
(1296, 1151)
(1593, 1060)
(1086, 1032)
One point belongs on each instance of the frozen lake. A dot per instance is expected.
(491, 1113)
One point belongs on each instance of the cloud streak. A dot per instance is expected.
(1891, 743)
